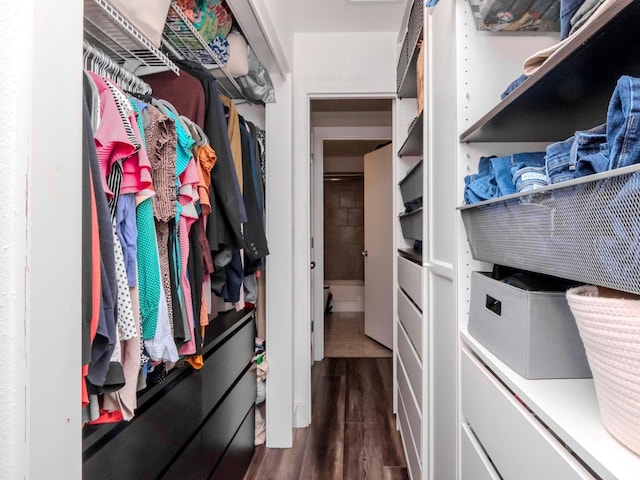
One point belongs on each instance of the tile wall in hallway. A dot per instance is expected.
(344, 228)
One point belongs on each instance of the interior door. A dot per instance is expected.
(312, 256)
(378, 246)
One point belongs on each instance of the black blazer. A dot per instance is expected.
(227, 207)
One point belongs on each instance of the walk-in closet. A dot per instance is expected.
(171, 230)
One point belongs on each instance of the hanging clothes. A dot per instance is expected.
(228, 210)
(91, 267)
(183, 91)
(165, 198)
(104, 340)
(235, 139)
(254, 234)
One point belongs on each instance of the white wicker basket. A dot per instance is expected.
(610, 330)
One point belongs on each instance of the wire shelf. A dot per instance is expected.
(586, 230)
(183, 40)
(406, 84)
(108, 30)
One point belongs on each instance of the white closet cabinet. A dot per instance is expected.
(426, 372)
(411, 360)
(532, 428)
(462, 413)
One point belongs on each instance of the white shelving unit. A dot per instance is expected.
(479, 419)
(411, 355)
(551, 420)
(427, 282)
(569, 408)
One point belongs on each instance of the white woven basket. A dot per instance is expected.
(610, 330)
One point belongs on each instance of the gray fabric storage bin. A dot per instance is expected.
(411, 224)
(534, 333)
(411, 184)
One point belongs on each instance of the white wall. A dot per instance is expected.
(53, 323)
(15, 123)
(252, 113)
(338, 64)
(277, 23)
(279, 265)
(351, 119)
(343, 164)
(40, 152)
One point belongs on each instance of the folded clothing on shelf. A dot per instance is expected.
(614, 144)
(211, 18)
(495, 177)
(516, 15)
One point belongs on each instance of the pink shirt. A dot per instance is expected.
(118, 139)
(136, 169)
(111, 138)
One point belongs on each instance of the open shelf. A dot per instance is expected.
(406, 70)
(410, 254)
(107, 29)
(412, 146)
(570, 409)
(584, 230)
(183, 40)
(408, 86)
(571, 90)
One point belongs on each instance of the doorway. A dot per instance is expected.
(344, 264)
(343, 131)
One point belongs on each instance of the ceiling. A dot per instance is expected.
(349, 148)
(351, 105)
(345, 15)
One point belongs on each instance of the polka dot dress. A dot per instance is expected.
(124, 313)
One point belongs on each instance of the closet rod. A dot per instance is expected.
(95, 59)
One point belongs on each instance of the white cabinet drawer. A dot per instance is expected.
(474, 464)
(410, 280)
(520, 448)
(411, 319)
(411, 363)
(410, 406)
(413, 460)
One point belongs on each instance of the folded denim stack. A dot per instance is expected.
(612, 145)
(499, 176)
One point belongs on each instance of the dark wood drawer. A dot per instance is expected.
(205, 450)
(143, 448)
(225, 363)
(172, 417)
(238, 456)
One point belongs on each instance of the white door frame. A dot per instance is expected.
(319, 135)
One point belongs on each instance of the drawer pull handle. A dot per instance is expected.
(494, 305)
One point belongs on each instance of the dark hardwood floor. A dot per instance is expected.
(352, 434)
